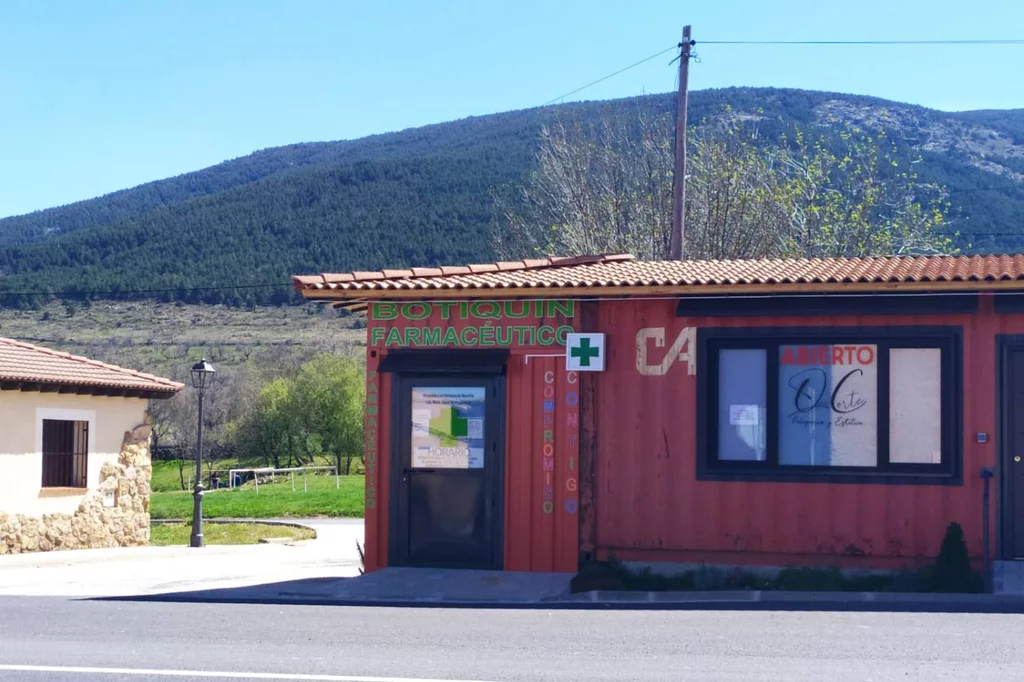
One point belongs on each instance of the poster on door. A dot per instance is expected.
(828, 405)
(448, 427)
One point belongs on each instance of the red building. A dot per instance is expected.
(778, 412)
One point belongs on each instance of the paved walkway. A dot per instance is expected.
(326, 571)
(155, 570)
(399, 586)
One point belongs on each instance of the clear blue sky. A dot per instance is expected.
(100, 95)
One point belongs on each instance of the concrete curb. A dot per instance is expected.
(784, 597)
(680, 601)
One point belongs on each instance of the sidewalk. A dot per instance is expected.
(441, 588)
(133, 571)
(325, 571)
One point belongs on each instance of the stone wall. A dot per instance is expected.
(125, 524)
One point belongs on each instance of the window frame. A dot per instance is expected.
(946, 338)
(69, 415)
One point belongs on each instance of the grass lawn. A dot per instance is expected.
(167, 474)
(275, 500)
(225, 533)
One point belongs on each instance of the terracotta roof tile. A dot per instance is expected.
(23, 362)
(338, 277)
(623, 271)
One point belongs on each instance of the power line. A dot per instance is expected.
(132, 292)
(1014, 41)
(612, 75)
(984, 189)
(996, 41)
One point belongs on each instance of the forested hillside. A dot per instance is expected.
(233, 233)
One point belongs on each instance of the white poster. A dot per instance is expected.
(448, 427)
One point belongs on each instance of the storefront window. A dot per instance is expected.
(741, 405)
(915, 405)
(828, 405)
(833, 403)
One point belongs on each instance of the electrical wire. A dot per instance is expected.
(235, 287)
(611, 75)
(1009, 41)
(134, 292)
(280, 285)
(863, 42)
(984, 189)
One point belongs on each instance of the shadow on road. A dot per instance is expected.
(334, 591)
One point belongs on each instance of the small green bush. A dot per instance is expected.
(951, 571)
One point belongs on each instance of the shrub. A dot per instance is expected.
(951, 571)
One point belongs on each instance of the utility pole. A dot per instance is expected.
(679, 174)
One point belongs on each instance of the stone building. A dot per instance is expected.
(74, 450)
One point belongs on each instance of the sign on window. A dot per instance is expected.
(448, 427)
(828, 405)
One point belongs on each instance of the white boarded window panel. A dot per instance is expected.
(915, 405)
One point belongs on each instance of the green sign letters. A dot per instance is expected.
(498, 323)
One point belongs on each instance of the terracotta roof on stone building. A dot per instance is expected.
(623, 275)
(27, 367)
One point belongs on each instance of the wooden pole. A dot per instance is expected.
(679, 174)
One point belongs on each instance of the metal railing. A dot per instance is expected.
(287, 470)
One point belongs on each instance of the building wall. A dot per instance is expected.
(627, 464)
(541, 484)
(648, 504)
(21, 461)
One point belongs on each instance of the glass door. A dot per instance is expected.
(448, 465)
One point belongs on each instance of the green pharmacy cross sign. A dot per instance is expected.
(584, 352)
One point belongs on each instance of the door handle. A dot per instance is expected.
(1017, 458)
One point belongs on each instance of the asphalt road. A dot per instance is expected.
(86, 641)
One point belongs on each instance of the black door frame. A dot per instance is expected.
(1005, 344)
(408, 367)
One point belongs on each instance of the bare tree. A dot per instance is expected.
(599, 188)
(605, 187)
(174, 420)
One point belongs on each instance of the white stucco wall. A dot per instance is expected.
(21, 460)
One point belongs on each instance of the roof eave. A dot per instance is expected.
(32, 386)
(363, 295)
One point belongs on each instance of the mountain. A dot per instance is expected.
(233, 233)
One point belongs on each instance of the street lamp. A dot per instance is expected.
(202, 377)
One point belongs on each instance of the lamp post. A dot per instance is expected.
(202, 377)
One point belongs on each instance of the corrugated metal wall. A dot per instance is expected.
(649, 504)
(542, 454)
(638, 418)
(542, 421)
(377, 460)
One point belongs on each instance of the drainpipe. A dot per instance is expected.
(986, 476)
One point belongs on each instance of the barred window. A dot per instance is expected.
(65, 453)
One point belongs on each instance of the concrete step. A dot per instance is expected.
(1008, 577)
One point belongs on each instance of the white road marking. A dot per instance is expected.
(217, 674)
